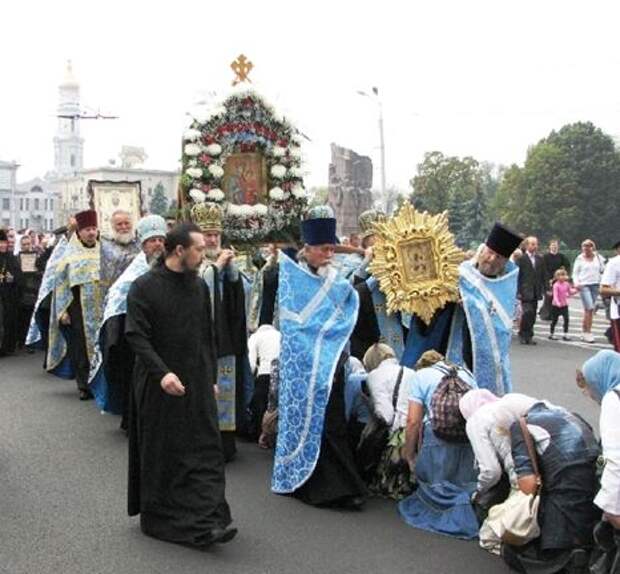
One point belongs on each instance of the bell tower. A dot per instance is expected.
(68, 145)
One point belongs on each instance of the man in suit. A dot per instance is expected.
(531, 288)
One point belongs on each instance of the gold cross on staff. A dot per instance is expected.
(242, 67)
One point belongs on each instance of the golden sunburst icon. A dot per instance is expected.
(416, 262)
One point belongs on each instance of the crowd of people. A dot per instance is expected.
(194, 351)
(548, 278)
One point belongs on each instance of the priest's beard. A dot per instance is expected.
(188, 272)
(212, 253)
(324, 271)
(154, 258)
(123, 238)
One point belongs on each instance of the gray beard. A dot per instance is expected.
(212, 253)
(152, 260)
(122, 238)
(324, 271)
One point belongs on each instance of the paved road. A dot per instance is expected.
(62, 495)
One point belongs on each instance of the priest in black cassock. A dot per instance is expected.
(176, 464)
(9, 296)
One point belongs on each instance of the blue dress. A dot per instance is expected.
(445, 472)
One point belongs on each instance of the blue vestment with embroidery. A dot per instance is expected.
(35, 336)
(390, 326)
(79, 266)
(115, 305)
(317, 316)
(488, 311)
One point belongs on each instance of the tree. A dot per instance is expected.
(159, 201)
(318, 196)
(568, 187)
(173, 210)
(454, 184)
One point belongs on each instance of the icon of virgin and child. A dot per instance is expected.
(245, 178)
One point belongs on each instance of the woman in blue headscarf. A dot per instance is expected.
(600, 379)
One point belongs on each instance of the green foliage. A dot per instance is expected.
(460, 185)
(159, 201)
(318, 196)
(568, 187)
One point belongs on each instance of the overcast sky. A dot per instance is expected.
(485, 79)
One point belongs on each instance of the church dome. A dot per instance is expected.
(69, 80)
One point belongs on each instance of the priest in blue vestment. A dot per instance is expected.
(481, 330)
(314, 460)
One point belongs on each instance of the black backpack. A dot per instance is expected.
(447, 421)
(374, 439)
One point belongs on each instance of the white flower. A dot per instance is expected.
(198, 195)
(243, 210)
(214, 149)
(278, 171)
(233, 209)
(260, 209)
(200, 114)
(216, 171)
(191, 135)
(296, 172)
(295, 152)
(215, 194)
(276, 194)
(194, 172)
(218, 111)
(296, 137)
(278, 151)
(192, 149)
(298, 191)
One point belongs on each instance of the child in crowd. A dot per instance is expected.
(562, 290)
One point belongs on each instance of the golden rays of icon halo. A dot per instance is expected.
(416, 262)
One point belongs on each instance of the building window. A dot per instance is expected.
(45, 204)
(21, 204)
(51, 227)
(36, 204)
(27, 204)
(72, 160)
(51, 204)
(27, 222)
(6, 203)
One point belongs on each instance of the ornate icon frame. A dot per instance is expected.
(416, 261)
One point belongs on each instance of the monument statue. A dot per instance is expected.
(350, 180)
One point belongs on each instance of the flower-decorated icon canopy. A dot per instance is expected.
(244, 157)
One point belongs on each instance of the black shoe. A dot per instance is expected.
(352, 502)
(578, 563)
(85, 395)
(221, 535)
(532, 342)
(523, 341)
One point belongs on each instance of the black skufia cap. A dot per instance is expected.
(503, 240)
(3, 235)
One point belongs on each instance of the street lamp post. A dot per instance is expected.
(375, 97)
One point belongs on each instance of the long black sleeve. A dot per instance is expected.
(138, 331)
